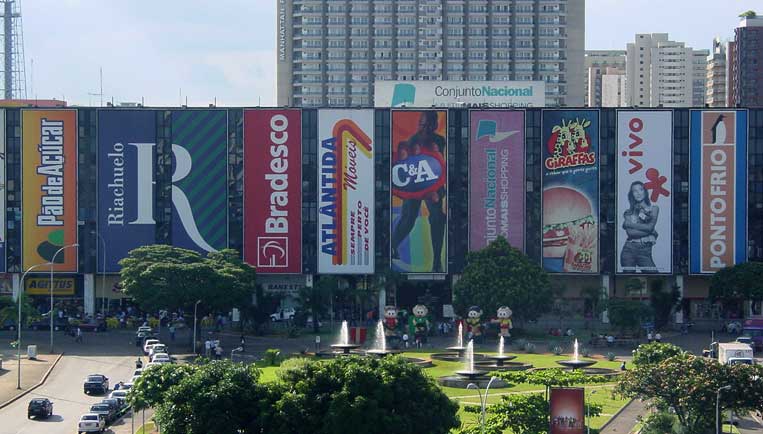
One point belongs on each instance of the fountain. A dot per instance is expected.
(500, 362)
(500, 358)
(380, 343)
(344, 340)
(456, 353)
(470, 374)
(469, 371)
(459, 347)
(575, 362)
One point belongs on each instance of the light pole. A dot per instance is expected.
(18, 325)
(194, 325)
(483, 399)
(718, 408)
(588, 413)
(103, 276)
(233, 351)
(52, 263)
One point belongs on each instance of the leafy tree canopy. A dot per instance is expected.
(738, 283)
(654, 353)
(628, 314)
(748, 14)
(500, 275)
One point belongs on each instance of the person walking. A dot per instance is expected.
(172, 333)
(218, 352)
(78, 336)
(243, 343)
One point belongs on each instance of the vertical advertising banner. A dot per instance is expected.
(346, 191)
(3, 195)
(126, 155)
(273, 190)
(419, 215)
(718, 190)
(567, 411)
(200, 179)
(496, 178)
(49, 186)
(644, 192)
(570, 178)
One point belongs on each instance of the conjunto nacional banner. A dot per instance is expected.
(126, 155)
(419, 172)
(570, 178)
(49, 171)
(273, 190)
(497, 178)
(644, 191)
(346, 191)
(200, 179)
(718, 190)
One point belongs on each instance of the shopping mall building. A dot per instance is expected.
(601, 198)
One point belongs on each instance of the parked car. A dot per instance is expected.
(283, 314)
(40, 407)
(104, 410)
(150, 364)
(137, 373)
(96, 383)
(148, 344)
(161, 358)
(93, 325)
(126, 386)
(157, 348)
(120, 395)
(91, 422)
(145, 329)
(114, 404)
(754, 329)
(44, 324)
(134, 379)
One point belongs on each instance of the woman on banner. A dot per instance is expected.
(639, 222)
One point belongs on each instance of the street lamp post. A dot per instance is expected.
(52, 263)
(194, 325)
(718, 408)
(18, 325)
(483, 399)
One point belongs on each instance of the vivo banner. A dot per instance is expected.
(346, 191)
(718, 190)
(126, 155)
(460, 94)
(570, 179)
(497, 178)
(273, 190)
(200, 179)
(644, 191)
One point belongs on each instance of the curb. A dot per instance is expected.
(42, 381)
(614, 416)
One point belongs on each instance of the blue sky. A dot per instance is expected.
(168, 50)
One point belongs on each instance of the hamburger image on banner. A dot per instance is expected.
(571, 191)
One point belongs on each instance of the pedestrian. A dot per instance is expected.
(610, 340)
(172, 333)
(218, 352)
(405, 340)
(658, 337)
(243, 343)
(78, 337)
(622, 366)
(139, 363)
(649, 337)
(208, 348)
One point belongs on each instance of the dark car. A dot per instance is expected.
(96, 383)
(44, 324)
(40, 407)
(92, 325)
(104, 410)
(114, 404)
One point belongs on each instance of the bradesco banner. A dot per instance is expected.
(126, 155)
(419, 174)
(273, 190)
(49, 170)
(566, 408)
(644, 191)
(718, 190)
(497, 178)
(346, 191)
(570, 191)
(200, 179)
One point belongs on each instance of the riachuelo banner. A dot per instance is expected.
(644, 191)
(346, 191)
(496, 177)
(49, 198)
(718, 190)
(200, 179)
(273, 190)
(126, 156)
(570, 179)
(419, 209)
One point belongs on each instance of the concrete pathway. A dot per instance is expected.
(624, 421)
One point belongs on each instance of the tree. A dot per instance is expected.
(500, 275)
(655, 352)
(687, 385)
(361, 395)
(627, 315)
(748, 14)
(150, 388)
(9, 310)
(733, 285)
(315, 301)
(663, 302)
(166, 277)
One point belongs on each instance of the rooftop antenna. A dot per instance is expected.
(14, 74)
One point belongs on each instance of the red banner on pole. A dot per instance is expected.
(567, 411)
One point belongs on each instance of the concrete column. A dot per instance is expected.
(605, 289)
(16, 283)
(679, 311)
(89, 294)
(382, 301)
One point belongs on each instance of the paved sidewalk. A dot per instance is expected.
(32, 372)
(624, 422)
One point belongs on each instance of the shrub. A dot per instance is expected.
(611, 356)
(289, 366)
(271, 357)
(659, 423)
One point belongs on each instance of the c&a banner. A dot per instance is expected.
(718, 190)
(644, 191)
(126, 155)
(346, 191)
(273, 190)
(567, 411)
(49, 170)
(200, 179)
(419, 215)
(497, 178)
(570, 191)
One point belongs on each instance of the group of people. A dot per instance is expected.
(653, 337)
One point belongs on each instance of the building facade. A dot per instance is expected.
(206, 179)
(665, 73)
(745, 69)
(597, 64)
(716, 94)
(614, 89)
(330, 53)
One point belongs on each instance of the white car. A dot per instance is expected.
(161, 358)
(137, 373)
(134, 379)
(283, 314)
(91, 422)
(126, 386)
(148, 344)
(153, 364)
(120, 394)
(144, 329)
(157, 348)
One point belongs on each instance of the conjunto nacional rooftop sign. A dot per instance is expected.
(487, 94)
